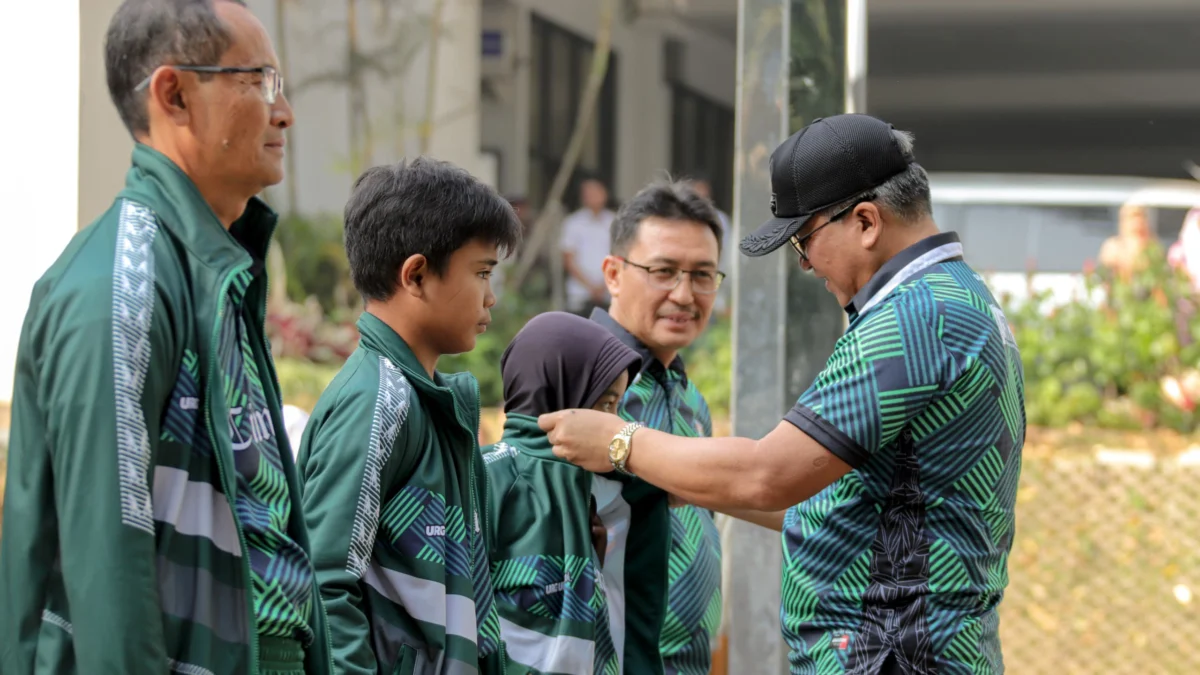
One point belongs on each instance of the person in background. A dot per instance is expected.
(524, 211)
(538, 283)
(583, 246)
(152, 516)
(393, 480)
(704, 188)
(723, 307)
(1184, 254)
(1125, 253)
(541, 515)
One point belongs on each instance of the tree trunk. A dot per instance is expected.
(359, 129)
(289, 157)
(550, 216)
(435, 31)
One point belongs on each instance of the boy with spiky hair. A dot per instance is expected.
(393, 478)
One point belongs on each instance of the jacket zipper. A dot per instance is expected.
(214, 357)
(476, 536)
(316, 589)
(477, 460)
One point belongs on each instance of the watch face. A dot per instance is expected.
(618, 449)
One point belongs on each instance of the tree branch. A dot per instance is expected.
(425, 135)
(551, 212)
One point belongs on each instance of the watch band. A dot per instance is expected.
(626, 434)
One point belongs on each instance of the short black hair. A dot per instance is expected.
(146, 34)
(426, 207)
(669, 200)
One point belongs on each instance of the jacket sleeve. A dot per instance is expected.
(94, 371)
(342, 466)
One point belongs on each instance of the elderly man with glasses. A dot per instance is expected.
(900, 463)
(152, 518)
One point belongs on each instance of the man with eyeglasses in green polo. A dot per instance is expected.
(662, 571)
(152, 517)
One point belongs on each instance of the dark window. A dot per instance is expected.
(702, 141)
(560, 62)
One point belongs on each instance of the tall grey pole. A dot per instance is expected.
(856, 56)
(785, 322)
(751, 553)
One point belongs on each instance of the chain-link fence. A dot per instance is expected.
(1104, 566)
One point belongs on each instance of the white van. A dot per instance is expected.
(1049, 224)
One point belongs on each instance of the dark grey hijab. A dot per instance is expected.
(561, 361)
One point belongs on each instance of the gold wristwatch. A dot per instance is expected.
(622, 443)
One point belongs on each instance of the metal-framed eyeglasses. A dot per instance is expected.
(272, 81)
(667, 278)
(800, 244)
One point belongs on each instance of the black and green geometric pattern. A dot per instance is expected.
(279, 567)
(903, 561)
(551, 586)
(664, 399)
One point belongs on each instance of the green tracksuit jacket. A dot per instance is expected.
(393, 489)
(549, 591)
(121, 550)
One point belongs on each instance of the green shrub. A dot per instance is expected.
(508, 317)
(710, 366)
(315, 259)
(301, 382)
(1104, 362)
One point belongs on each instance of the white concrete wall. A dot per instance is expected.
(39, 132)
(314, 45)
(104, 144)
(643, 99)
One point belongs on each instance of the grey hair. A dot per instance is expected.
(146, 34)
(905, 195)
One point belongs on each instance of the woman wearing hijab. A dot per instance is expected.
(546, 551)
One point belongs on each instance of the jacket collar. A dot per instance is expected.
(903, 266)
(523, 433)
(156, 181)
(650, 362)
(380, 338)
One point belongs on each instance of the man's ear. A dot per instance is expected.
(413, 274)
(612, 271)
(169, 94)
(868, 218)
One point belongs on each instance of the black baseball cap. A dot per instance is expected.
(825, 163)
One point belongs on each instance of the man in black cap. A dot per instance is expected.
(902, 458)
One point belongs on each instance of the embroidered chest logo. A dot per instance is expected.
(247, 427)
